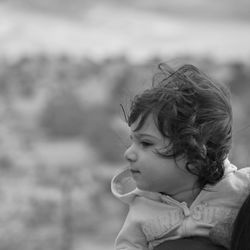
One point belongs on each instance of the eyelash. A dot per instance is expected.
(146, 144)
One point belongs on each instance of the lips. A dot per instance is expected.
(134, 171)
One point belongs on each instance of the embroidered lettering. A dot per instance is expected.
(161, 225)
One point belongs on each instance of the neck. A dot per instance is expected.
(187, 196)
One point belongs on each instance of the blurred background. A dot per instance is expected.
(65, 68)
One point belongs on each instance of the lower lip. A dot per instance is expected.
(134, 173)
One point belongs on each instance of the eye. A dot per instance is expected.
(146, 144)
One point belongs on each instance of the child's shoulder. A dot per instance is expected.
(234, 186)
(245, 171)
(234, 178)
(237, 180)
(238, 185)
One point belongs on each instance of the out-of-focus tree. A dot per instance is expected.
(239, 81)
(63, 116)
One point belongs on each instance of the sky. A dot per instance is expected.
(137, 29)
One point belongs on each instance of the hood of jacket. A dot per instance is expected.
(123, 186)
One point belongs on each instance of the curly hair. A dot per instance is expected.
(194, 113)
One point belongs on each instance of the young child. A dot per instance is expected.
(179, 182)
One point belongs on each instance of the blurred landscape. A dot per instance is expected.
(65, 69)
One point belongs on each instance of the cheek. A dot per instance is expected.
(168, 168)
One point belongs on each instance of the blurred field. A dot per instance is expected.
(64, 71)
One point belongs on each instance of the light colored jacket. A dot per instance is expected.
(154, 218)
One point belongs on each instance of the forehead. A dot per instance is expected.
(149, 127)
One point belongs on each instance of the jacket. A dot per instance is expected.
(154, 218)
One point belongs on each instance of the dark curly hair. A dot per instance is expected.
(194, 113)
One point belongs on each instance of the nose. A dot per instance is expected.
(130, 154)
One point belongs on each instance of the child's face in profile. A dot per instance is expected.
(150, 171)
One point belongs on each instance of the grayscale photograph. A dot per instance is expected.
(124, 125)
